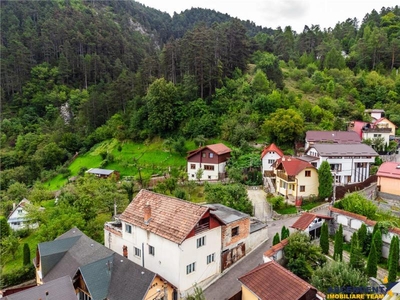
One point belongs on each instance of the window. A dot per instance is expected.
(308, 174)
(83, 296)
(210, 258)
(191, 268)
(302, 188)
(152, 251)
(209, 167)
(201, 241)
(204, 155)
(128, 228)
(235, 231)
(138, 252)
(211, 155)
(193, 166)
(271, 161)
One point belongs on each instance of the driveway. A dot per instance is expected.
(262, 209)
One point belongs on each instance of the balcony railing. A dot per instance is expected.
(284, 176)
(201, 227)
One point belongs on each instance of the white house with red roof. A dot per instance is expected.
(311, 224)
(269, 156)
(211, 159)
(295, 178)
(177, 239)
(389, 179)
(379, 128)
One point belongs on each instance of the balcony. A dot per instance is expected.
(201, 227)
(284, 176)
(114, 227)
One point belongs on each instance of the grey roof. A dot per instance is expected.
(83, 251)
(344, 150)
(341, 137)
(226, 214)
(97, 276)
(256, 225)
(134, 286)
(99, 171)
(60, 288)
(308, 158)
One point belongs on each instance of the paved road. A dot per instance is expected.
(228, 285)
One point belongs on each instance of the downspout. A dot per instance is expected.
(143, 255)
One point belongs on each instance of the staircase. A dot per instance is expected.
(268, 185)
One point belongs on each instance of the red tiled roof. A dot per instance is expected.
(218, 149)
(341, 137)
(389, 169)
(171, 218)
(292, 165)
(306, 219)
(272, 148)
(271, 251)
(272, 281)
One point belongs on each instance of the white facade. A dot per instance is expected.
(373, 135)
(172, 261)
(346, 169)
(17, 219)
(269, 158)
(210, 171)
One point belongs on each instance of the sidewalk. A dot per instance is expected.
(382, 273)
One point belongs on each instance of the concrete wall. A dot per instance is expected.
(256, 238)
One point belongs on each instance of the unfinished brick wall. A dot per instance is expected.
(243, 232)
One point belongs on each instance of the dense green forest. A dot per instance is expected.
(75, 73)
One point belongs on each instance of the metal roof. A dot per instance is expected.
(100, 171)
(344, 150)
(226, 214)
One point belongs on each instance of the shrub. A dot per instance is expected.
(277, 202)
(17, 276)
(27, 255)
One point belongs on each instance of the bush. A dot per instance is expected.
(17, 276)
(277, 202)
(22, 233)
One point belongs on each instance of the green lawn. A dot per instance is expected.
(292, 209)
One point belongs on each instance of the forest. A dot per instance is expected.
(75, 73)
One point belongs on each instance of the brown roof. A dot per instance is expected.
(344, 150)
(341, 137)
(171, 218)
(271, 251)
(272, 148)
(306, 219)
(272, 281)
(292, 165)
(389, 169)
(218, 149)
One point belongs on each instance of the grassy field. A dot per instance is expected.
(152, 159)
(292, 209)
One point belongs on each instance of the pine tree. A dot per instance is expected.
(325, 179)
(377, 238)
(27, 255)
(362, 237)
(276, 239)
(338, 248)
(372, 263)
(324, 239)
(356, 257)
(392, 244)
(393, 259)
(284, 233)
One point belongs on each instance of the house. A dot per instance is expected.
(179, 240)
(311, 223)
(60, 288)
(269, 155)
(375, 114)
(96, 271)
(379, 128)
(349, 163)
(275, 252)
(389, 180)
(17, 218)
(295, 178)
(103, 173)
(384, 123)
(272, 281)
(235, 231)
(331, 137)
(211, 159)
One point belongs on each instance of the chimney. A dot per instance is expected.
(14, 205)
(147, 213)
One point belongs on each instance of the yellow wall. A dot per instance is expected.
(311, 183)
(158, 283)
(389, 185)
(247, 294)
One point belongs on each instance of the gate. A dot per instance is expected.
(229, 257)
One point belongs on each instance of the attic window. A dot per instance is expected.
(211, 155)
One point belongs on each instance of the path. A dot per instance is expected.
(262, 210)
